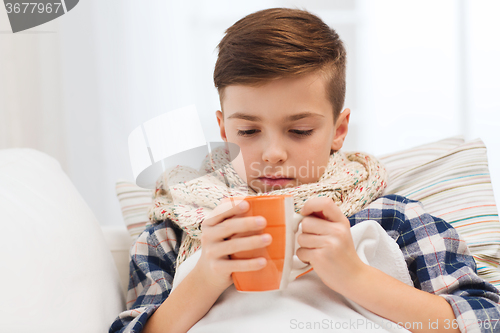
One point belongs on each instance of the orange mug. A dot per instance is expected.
(282, 225)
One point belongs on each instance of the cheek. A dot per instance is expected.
(247, 163)
(239, 166)
(316, 162)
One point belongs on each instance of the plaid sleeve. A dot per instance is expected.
(438, 260)
(152, 269)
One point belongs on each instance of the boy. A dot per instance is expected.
(280, 75)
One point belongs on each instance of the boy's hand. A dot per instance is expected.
(226, 221)
(326, 243)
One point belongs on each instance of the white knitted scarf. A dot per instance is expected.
(187, 196)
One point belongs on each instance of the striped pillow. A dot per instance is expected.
(402, 160)
(134, 202)
(452, 180)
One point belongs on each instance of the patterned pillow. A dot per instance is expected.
(450, 178)
(134, 202)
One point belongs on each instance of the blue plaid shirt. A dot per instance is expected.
(438, 261)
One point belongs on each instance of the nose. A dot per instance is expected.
(274, 152)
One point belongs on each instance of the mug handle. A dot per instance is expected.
(296, 272)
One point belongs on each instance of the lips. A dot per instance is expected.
(275, 180)
(275, 177)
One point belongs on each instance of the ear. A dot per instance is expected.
(341, 127)
(220, 121)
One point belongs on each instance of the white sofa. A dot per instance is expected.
(119, 242)
(58, 273)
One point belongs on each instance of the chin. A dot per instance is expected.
(258, 186)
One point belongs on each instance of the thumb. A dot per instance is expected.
(324, 208)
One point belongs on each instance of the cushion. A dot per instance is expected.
(134, 202)
(450, 177)
(119, 242)
(57, 273)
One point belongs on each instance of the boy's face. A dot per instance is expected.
(285, 131)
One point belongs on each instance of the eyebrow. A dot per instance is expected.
(294, 117)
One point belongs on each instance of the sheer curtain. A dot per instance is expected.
(76, 87)
(428, 70)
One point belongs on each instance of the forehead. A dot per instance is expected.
(278, 98)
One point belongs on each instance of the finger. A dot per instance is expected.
(304, 254)
(238, 225)
(326, 207)
(315, 225)
(243, 265)
(226, 209)
(235, 245)
(310, 241)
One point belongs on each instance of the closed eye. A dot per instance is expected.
(301, 132)
(247, 132)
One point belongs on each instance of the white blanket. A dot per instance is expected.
(307, 304)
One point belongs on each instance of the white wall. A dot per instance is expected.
(77, 86)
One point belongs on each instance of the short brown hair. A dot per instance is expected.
(281, 42)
